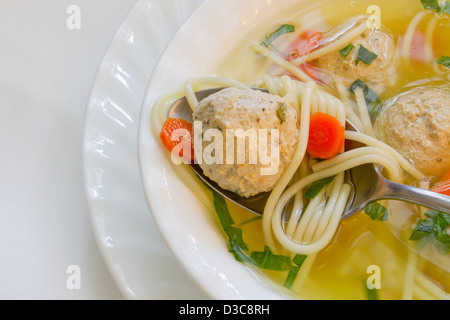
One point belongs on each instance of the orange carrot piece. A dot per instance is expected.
(443, 186)
(306, 43)
(326, 136)
(177, 131)
(417, 50)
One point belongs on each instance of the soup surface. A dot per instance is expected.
(363, 251)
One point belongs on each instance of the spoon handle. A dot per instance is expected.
(429, 199)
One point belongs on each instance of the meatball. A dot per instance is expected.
(243, 111)
(379, 74)
(417, 124)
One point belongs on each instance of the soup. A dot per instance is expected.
(349, 60)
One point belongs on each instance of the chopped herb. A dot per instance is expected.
(293, 273)
(357, 62)
(372, 294)
(371, 97)
(237, 246)
(430, 4)
(318, 186)
(298, 261)
(446, 7)
(236, 242)
(221, 208)
(366, 56)
(423, 229)
(281, 112)
(346, 51)
(283, 29)
(358, 84)
(376, 212)
(434, 229)
(434, 5)
(444, 60)
(269, 261)
(442, 242)
(256, 218)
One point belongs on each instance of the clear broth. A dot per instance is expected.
(341, 270)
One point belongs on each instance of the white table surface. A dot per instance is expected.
(47, 71)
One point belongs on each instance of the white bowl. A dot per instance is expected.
(189, 230)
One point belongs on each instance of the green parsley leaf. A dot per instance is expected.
(237, 246)
(442, 242)
(358, 84)
(236, 243)
(281, 112)
(293, 273)
(446, 217)
(283, 29)
(441, 220)
(235, 239)
(376, 211)
(445, 60)
(346, 51)
(430, 4)
(435, 229)
(256, 218)
(317, 187)
(220, 205)
(446, 8)
(372, 100)
(269, 261)
(371, 294)
(422, 230)
(298, 261)
(366, 56)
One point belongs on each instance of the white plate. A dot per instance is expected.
(137, 257)
(186, 225)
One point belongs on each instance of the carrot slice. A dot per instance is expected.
(306, 43)
(443, 186)
(178, 132)
(326, 136)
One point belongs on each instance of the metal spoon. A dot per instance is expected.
(368, 184)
